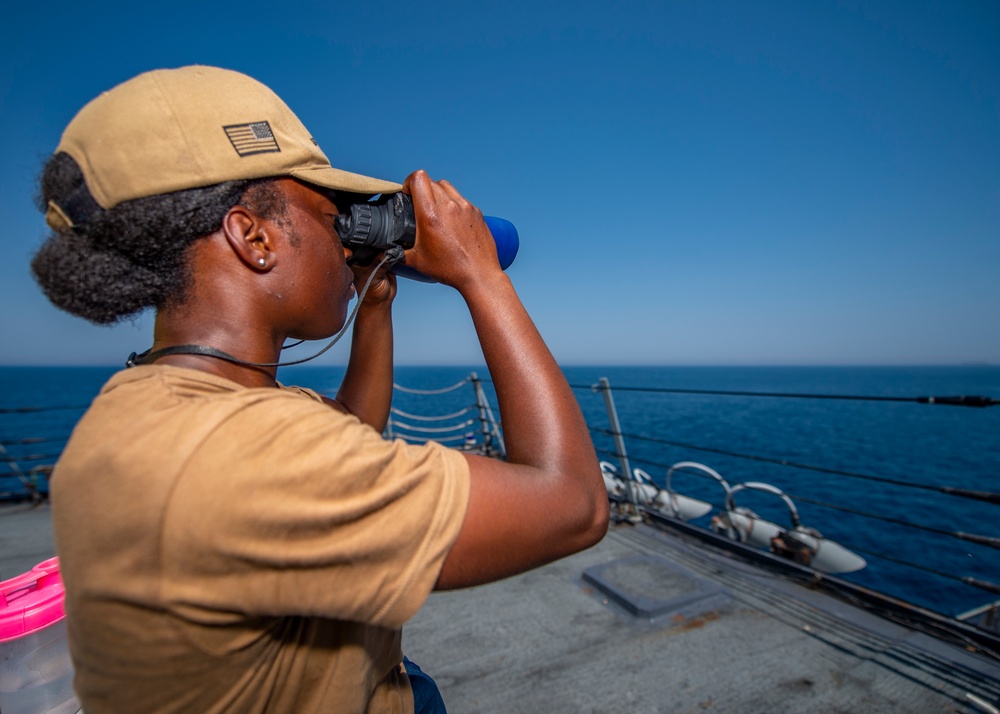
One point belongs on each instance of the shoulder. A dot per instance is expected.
(163, 386)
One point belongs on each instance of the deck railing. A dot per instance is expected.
(32, 438)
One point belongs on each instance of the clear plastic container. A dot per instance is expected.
(36, 674)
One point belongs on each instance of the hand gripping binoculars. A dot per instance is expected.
(388, 224)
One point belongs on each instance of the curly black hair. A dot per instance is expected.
(131, 257)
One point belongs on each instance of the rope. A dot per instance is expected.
(423, 440)
(452, 388)
(435, 430)
(418, 417)
(950, 490)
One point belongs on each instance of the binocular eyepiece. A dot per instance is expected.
(387, 223)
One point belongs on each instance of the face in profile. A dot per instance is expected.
(316, 283)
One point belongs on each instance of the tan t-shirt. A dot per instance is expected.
(244, 550)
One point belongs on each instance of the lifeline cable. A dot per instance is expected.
(966, 579)
(444, 417)
(950, 490)
(32, 410)
(972, 538)
(34, 440)
(452, 388)
(987, 541)
(962, 401)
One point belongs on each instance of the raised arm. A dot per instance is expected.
(548, 499)
(366, 390)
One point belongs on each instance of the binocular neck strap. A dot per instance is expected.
(149, 356)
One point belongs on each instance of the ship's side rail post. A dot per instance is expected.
(490, 428)
(416, 429)
(604, 386)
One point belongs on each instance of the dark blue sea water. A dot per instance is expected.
(913, 443)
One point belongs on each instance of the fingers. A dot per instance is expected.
(451, 191)
(418, 184)
(450, 247)
(383, 284)
(421, 186)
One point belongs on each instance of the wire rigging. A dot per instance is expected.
(452, 388)
(443, 417)
(32, 410)
(950, 490)
(987, 541)
(459, 432)
(963, 401)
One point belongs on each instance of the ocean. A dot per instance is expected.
(742, 437)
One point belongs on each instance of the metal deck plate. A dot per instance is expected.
(653, 588)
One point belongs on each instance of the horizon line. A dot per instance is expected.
(623, 365)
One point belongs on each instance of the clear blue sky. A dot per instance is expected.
(694, 182)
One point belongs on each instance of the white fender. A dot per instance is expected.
(612, 483)
(645, 489)
(831, 557)
(680, 506)
(753, 529)
(613, 486)
(670, 502)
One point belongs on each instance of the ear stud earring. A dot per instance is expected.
(261, 262)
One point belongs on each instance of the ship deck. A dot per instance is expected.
(651, 620)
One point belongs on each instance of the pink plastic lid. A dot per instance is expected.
(31, 601)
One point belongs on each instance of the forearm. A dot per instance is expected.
(548, 499)
(366, 390)
(543, 425)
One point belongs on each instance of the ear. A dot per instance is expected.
(249, 237)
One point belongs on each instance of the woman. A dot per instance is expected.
(231, 544)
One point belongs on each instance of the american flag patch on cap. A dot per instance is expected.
(253, 138)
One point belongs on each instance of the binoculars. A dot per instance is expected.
(387, 223)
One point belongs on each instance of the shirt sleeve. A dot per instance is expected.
(292, 508)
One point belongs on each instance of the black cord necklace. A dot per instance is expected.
(150, 355)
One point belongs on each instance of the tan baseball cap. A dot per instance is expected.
(174, 129)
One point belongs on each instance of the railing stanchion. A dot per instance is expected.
(616, 432)
(491, 430)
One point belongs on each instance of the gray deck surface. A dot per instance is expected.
(659, 624)
(548, 642)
